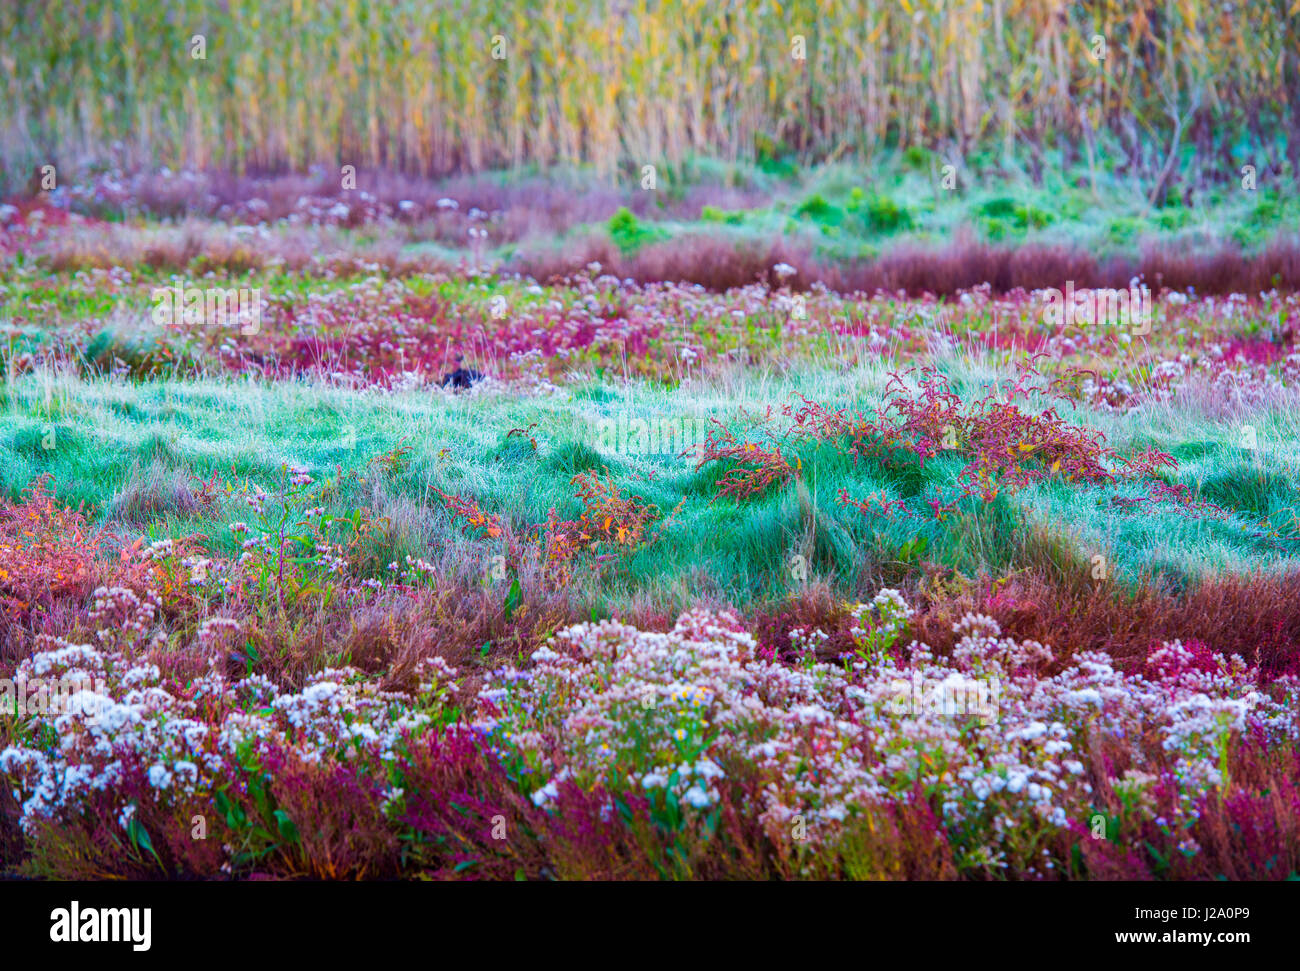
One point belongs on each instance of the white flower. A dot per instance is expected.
(697, 797)
(545, 794)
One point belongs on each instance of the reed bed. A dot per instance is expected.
(431, 87)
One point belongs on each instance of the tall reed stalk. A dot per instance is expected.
(413, 85)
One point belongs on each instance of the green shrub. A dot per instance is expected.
(878, 213)
(1122, 229)
(816, 208)
(916, 157)
(1031, 217)
(996, 229)
(712, 214)
(1173, 218)
(630, 234)
(1003, 207)
(1003, 214)
(1267, 211)
(883, 215)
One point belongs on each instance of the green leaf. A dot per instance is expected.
(139, 838)
(1164, 864)
(1076, 858)
(912, 549)
(257, 789)
(288, 830)
(233, 812)
(514, 597)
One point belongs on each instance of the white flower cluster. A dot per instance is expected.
(875, 626)
(805, 642)
(685, 711)
(688, 719)
(186, 739)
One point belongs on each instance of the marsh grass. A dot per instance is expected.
(136, 453)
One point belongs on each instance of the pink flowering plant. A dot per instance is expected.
(1008, 751)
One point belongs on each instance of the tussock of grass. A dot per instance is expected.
(132, 452)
